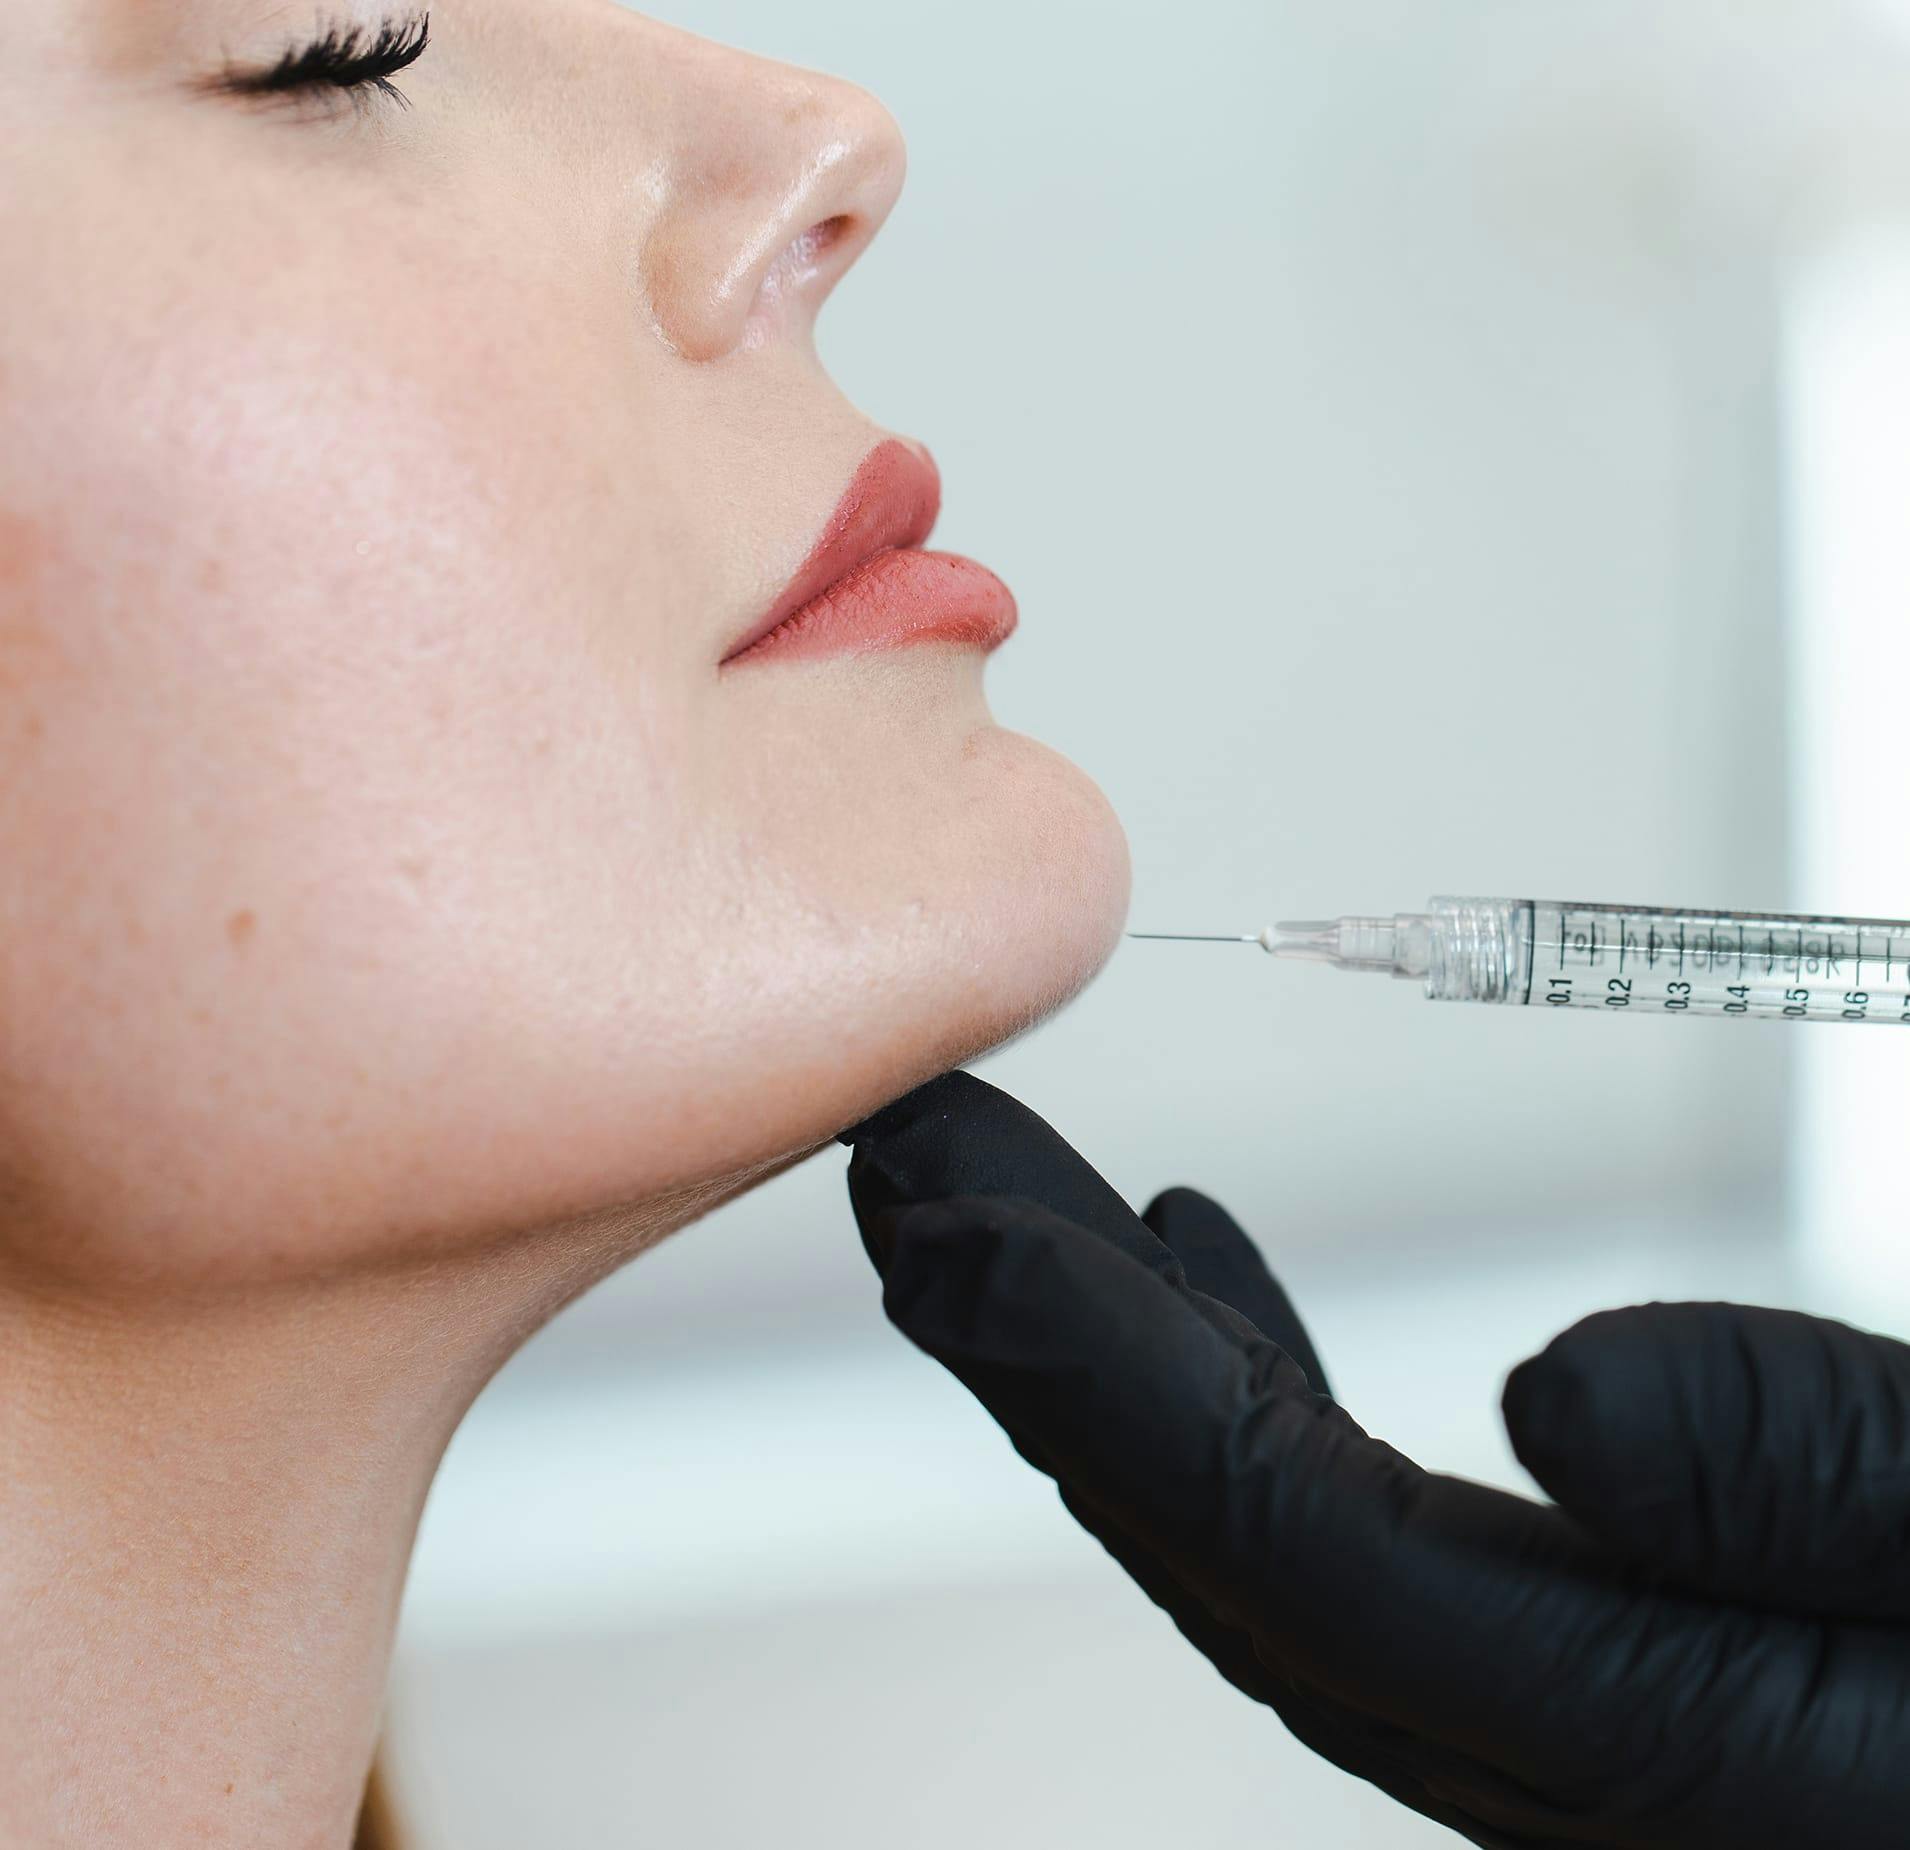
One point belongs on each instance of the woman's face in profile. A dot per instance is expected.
(395, 849)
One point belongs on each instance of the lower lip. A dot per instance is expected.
(894, 600)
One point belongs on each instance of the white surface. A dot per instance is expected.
(1031, 1716)
(1848, 405)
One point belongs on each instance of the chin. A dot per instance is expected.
(998, 902)
(1057, 877)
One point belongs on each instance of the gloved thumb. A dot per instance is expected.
(1758, 1455)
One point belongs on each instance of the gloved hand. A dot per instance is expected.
(1706, 1644)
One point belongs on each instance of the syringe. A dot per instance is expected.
(1659, 960)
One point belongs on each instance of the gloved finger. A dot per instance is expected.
(1477, 1622)
(1223, 1262)
(957, 1136)
(1758, 1454)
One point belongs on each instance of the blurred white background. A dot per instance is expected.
(1436, 370)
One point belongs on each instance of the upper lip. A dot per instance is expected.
(890, 505)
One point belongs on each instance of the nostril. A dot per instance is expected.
(808, 252)
(806, 257)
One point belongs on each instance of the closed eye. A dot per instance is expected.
(339, 59)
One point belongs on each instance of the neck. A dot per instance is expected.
(207, 1505)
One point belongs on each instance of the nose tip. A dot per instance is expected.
(768, 215)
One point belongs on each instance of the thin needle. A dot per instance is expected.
(1181, 937)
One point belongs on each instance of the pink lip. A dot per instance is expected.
(868, 585)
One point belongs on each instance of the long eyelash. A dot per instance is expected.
(342, 58)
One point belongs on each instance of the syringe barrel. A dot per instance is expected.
(1668, 960)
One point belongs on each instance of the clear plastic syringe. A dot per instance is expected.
(1658, 960)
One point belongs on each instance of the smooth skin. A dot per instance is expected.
(404, 917)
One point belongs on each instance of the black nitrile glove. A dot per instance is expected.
(1706, 1644)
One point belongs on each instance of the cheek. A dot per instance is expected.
(335, 812)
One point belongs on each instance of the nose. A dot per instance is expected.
(767, 185)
